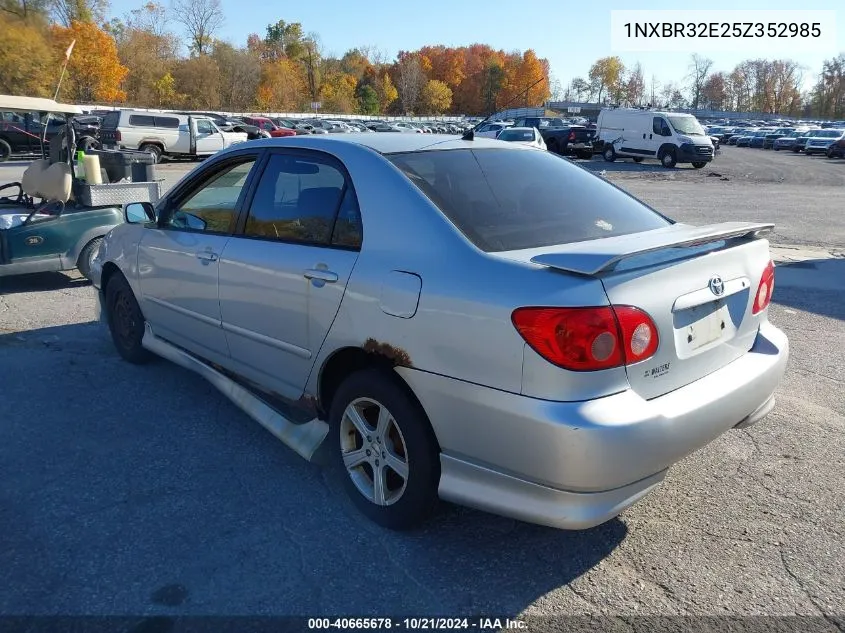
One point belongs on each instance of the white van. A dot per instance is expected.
(670, 137)
(165, 133)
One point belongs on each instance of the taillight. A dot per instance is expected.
(765, 289)
(117, 135)
(588, 339)
(572, 136)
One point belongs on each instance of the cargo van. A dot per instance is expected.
(165, 134)
(670, 137)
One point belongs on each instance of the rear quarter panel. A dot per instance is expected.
(461, 326)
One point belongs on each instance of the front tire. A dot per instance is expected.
(668, 158)
(126, 322)
(5, 151)
(698, 165)
(386, 448)
(609, 154)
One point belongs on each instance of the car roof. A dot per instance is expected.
(383, 143)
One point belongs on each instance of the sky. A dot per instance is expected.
(571, 35)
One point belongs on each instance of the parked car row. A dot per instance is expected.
(829, 141)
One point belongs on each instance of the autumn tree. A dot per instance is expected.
(240, 76)
(436, 97)
(387, 92)
(165, 89)
(714, 92)
(147, 49)
(699, 68)
(25, 9)
(337, 93)
(66, 12)
(94, 72)
(605, 75)
(198, 81)
(27, 65)
(410, 80)
(201, 19)
(635, 86)
(284, 40)
(282, 87)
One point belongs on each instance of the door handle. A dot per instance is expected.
(643, 135)
(207, 256)
(322, 275)
(649, 136)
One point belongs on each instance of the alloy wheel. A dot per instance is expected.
(374, 451)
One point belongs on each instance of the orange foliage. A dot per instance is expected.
(94, 72)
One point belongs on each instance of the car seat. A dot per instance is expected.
(51, 183)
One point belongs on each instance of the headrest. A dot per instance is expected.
(31, 179)
(56, 183)
(316, 200)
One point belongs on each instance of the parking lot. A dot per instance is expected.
(143, 491)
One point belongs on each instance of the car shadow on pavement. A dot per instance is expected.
(816, 285)
(40, 282)
(123, 483)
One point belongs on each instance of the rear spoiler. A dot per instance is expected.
(596, 256)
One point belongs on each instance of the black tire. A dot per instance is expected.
(5, 151)
(830, 153)
(155, 150)
(609, 154)
(83, 264)
(668, 158)
(126, 322)
(698, 165)
(797, 150)
(552, 146)
(418, 499)
(637, 159)
(87, 143)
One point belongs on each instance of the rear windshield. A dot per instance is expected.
(111, 120)
(516, 135)
(507, 199)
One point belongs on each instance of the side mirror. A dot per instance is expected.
(139, 213)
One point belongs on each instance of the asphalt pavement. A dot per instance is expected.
(142, 491)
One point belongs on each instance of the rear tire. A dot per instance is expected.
(86, 257)
(609, 154)
(5, 151)
(153, 150)
(698, 165)
(404, 442)
(126, 321)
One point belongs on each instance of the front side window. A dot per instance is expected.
(297, 200)
(503, 199)
(213, 207)
(204, 126)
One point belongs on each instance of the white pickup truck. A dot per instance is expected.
(165, 134)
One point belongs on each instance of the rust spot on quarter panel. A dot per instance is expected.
(396, 355)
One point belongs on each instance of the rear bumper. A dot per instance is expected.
(577, 464)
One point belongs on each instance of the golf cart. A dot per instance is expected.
(55, 218)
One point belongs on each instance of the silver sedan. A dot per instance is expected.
(449, 318)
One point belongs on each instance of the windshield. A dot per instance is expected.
(504, 199)
(686, 125)
(828, 134)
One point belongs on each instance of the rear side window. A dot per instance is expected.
(508, 199)
(167, 121)
(141, 120)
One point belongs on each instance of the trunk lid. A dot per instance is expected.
(698, 285)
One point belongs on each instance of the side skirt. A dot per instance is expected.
(305, 438)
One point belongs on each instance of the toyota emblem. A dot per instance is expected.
(717, 286)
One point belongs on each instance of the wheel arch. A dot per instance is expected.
(345, 361)
(666, 147)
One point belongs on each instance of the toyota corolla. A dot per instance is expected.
(449, 318)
